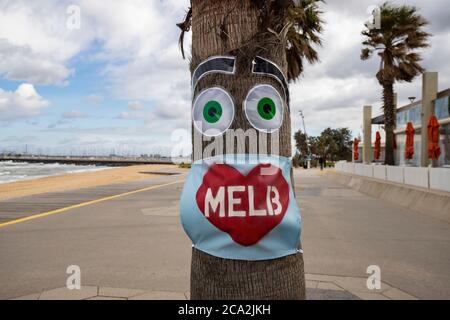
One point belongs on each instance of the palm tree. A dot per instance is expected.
(283, 31)
(400, 34)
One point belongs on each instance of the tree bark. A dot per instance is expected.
(219, 279)
(233, 27)
(389, 122)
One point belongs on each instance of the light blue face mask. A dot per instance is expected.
(241, 207)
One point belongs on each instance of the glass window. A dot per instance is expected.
(442, 108)
(444, 159)
(414, 115)
(401, 119)
(417, 151)
(400, 151)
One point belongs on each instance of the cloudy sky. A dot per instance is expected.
(115, 80)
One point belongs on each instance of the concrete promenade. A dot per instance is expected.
(133, 246)
(346, 231)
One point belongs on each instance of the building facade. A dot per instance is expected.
(418, 113)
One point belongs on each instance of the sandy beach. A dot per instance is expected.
(75, 181)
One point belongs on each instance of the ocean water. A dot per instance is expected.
(16, 171)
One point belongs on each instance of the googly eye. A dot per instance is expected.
(213, 111)
(264, 108)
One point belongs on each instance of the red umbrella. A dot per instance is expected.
(355, 149)
(434, 151)
(377, 146)
(409, 148)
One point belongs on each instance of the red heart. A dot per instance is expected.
(247, 229)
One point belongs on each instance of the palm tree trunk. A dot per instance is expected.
(219, 279)
(389, 122)
(232, 27)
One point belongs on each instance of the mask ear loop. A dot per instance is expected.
(268, 68)
(214, 64)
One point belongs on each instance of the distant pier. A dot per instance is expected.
(97, 161)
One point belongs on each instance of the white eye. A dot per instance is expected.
(213, 111)
(264, 108)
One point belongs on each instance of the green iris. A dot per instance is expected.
(267, 108)
(212, 112)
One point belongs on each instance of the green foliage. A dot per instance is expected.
(401, 33)
(184, 165)
(295, 23)
(396, 42)
(343, 139)
(301, 143)
(298, 24)
(327, 146)
(304, 29)
(332, 144)
(296, 160)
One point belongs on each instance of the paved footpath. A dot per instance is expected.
(133, 247)
(345, 231)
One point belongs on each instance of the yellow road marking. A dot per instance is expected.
(84, 204)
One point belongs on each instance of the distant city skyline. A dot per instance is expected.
(87, 151)
(115, 79)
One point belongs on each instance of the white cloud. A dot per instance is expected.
(23, 64)
(136, 42)
(333, 92)
(35, 44)
(126, 27)
(74, 115)
(95, 98)
(135, 105)
(25, 102)
(126, 115)
(134, 111)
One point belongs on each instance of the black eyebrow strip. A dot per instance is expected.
(266, 67)
(215, 64)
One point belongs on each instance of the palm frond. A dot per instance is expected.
(396, 42)
(185, 26)
(303, 35)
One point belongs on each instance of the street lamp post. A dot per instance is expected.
(307, 140)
